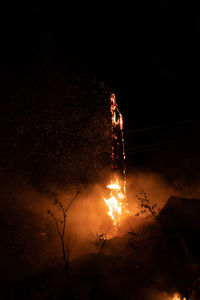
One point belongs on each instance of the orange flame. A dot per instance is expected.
(177, 297)
(116, 202)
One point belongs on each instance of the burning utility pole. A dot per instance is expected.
(118, 148)
(117, 205)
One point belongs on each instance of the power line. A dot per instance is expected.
(158, 126)
(159, 143)
(156, 146)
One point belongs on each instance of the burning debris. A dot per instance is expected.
(117, 201)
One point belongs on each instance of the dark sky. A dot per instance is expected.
(148, 52)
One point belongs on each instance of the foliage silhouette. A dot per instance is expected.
(61, 227)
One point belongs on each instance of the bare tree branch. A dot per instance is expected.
(61, 228)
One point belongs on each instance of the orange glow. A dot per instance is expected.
(113, 186)
(176, 297)
(121, 122)
(116, 115)
(116, 202)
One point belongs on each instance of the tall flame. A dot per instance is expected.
(116, 202)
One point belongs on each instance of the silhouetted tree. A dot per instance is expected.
(139, 238)
(66, 243)
(145, 206)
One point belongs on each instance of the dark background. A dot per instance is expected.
(148, 53)
(53, 114)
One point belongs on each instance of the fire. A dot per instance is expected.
(177, 297)
(114, 186)
(116, 203)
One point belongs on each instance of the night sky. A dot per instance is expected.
(148, 53)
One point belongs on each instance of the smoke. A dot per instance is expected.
(30, 241)
(155, 185)
(157, 295)
(158, 192)
(29, 232)
(57, 146)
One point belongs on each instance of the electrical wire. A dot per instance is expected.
(157, 146)
(158, 126)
